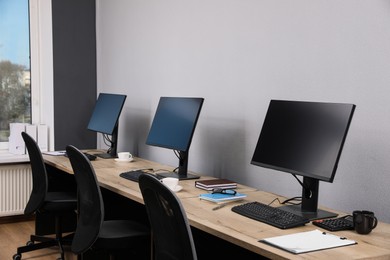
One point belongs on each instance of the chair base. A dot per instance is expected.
(44, 242)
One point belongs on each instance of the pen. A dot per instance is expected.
(219, 207)
(342, 238)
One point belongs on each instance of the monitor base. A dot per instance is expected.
(105, 155)
(319, 214)
(176, 175)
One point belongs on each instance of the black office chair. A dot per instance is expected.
(171, 232)
(95, 233)
(44, 201)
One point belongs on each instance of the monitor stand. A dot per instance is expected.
(182, 170)
(111, 152)
(105, 155)
(319, 214)
(176, 175)
(309, 207)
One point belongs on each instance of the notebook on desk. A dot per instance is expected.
(218, 197)
(215, 183)
(308, 241)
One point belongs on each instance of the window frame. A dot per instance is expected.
(41, 64)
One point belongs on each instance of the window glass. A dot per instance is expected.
(15, 88)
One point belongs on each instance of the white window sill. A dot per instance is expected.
(6, 157)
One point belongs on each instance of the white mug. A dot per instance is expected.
(170, 182)
(125, 156)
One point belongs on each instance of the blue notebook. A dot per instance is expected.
(219, 197)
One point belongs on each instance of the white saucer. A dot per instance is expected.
(177, 188)
(124, 160)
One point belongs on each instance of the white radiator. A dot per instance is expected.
(15, 188)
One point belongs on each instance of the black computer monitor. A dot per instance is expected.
(105, 120)
(173, 127)
(306, 139)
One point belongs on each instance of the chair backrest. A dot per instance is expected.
(172, 234)
(39, 175)
(90, 202)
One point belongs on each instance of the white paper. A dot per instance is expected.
(55, 153)
(31, 130)
(43, 138)
(15, 141)
(308, 241)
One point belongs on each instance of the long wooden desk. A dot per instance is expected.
(227, 225)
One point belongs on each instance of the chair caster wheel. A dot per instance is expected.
(17, 257)
(29, 243)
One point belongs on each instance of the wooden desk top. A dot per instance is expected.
(228, 225)
(246, 232)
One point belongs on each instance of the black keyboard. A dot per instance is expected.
(133, 175)
(335, 224)
(272, 216)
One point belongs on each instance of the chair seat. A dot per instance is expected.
(60, 202)
(117, 234)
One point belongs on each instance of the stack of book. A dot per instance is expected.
(215, 184)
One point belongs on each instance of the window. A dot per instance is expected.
(15, 87)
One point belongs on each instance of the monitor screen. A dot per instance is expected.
(306, 139)
(173, 126)
(106, 113)
(105, 118)
(174, 122)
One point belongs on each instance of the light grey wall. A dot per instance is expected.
(240, 54)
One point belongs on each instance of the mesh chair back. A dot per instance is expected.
(39, 175)
(90, 202)
(171, 230)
